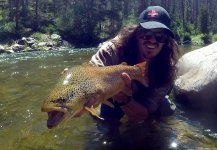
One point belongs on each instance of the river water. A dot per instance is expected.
(26, 80)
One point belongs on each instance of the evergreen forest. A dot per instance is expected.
(89, 22)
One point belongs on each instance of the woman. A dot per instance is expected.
(152, 41)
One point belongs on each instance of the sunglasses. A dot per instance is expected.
(160, 37)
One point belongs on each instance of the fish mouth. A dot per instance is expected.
(54, 118)
(56, 115)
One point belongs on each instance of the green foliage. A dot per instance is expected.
(39, 36)
(103, 35)
(7, 32)
(190, 28)
(179, 32)
(207, 39)
(187, 38)
(130, 20)
(204, 21)
(8, 27)
(214, 38)
(197, 39)
(50, 29)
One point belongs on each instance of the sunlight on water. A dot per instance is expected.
(26, 80)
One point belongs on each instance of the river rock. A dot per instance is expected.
(17, 47)
(49, 44)
(55, 37)
(9, 51)
(196, 85)
(42, 44)
(2, 49)
(26, 41)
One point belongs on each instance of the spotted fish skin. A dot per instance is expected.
(80, 83)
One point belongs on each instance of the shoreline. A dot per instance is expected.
(42, 42)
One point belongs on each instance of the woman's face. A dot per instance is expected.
(148, 46)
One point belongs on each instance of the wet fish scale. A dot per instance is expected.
(82, 82)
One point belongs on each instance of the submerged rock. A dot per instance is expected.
(197, 79)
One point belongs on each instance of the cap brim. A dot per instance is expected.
(155, 24)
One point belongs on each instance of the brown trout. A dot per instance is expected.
(80, 83)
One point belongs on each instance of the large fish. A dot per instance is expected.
(80, 83)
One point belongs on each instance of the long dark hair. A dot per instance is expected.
(162, 70)
(126, 43)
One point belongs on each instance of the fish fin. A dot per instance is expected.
(89, 64)
(95, 106)
(108, 103)
(124, 63)
(93, 112)
(144, 70)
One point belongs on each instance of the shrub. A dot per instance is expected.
(186, 38)
(207, 39)
(39, 36)
(214, 38)
(197, 39)
(7, 32)
(50, 29)
(8, 27)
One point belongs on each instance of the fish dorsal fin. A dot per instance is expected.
(144, 70)
(87, 64)
(124, 63)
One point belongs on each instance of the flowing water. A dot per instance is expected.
(26, 80)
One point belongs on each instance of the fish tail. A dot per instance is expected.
(144, 70)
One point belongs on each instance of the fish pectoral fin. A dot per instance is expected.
(96, 106)
(93, 112)
(144, 71)
(143, 68)
(108, 103)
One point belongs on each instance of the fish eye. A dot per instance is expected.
(61, 99)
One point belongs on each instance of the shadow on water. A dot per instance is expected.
(26, 80)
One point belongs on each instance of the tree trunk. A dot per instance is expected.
(17, 16)
(36, 16)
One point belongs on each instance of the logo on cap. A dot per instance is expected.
(152, 14)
